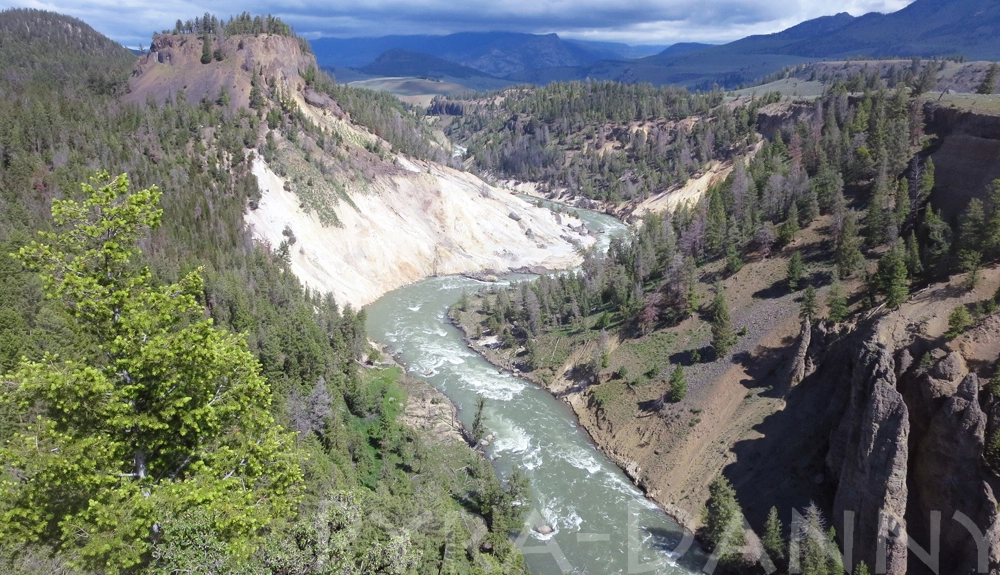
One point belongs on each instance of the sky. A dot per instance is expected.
(660, 22)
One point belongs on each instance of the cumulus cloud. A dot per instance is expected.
(634, 21)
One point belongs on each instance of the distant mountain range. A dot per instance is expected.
(498, 54)
(925, 28)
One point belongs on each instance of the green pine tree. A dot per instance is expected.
(891, 277)
(678, 384)
(723, 520)
(807, 310)
(796, 269)
(926, 182)
(959, 320)
(773, 542)
(790, 227)
(848, 253)
(938, 247)
(913, 264)
(478, 426)
(989, 83)
(723, 336)
(837, 303)
(206, 49)
(970, 262)
(172, 417)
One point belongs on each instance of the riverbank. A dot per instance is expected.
(673, 450)
(510, 361)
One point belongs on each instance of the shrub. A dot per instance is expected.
(958, 321)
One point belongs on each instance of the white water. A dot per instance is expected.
(592, 506)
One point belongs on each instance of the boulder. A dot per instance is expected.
(951, 368)
(544, 529)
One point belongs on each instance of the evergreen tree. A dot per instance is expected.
(206, 49)
(796, 269)
(170, 418)
(837, 303)
(991, 233)
(827, 185)
(723, 520)
(926, 182)
(959, 320)
(848, 252)
(813, 544)
(807, 310)
(478, 427)
(774, 543)
(723, 336)
(972, 226)
(913, 264)
(734, 262)
(938, 246)
(862, 569)
(257, 100)
(808, 207)
(791, 226)
(989, 83)
(678, 384)
(530, 354)
(969, 261)
(891, 277)
(878, 218)
(926, 81)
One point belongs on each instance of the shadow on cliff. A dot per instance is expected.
(784, 464)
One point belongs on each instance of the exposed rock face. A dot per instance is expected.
(797, 370)
(868, 456)
(898, 464)
(173, 65)
(968, 158)
(409, 225)
(782, 117)
(949, 473)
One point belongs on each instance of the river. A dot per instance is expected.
(602, 523)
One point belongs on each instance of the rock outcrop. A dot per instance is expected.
(907, 457)
(798, 367)
(420, 221)
(868, 457)
(173, 66)
(950, 478)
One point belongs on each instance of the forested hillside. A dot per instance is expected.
(603, 140)
(152, 475)
(695, 329)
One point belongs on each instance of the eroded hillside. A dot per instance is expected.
(354, 215)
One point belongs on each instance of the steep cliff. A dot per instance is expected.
(173, 65)
(410, 224)
(967, 156)
(907, 453)
(868, 458)
(354, 216)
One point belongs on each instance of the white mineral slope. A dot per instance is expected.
(426, 220)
